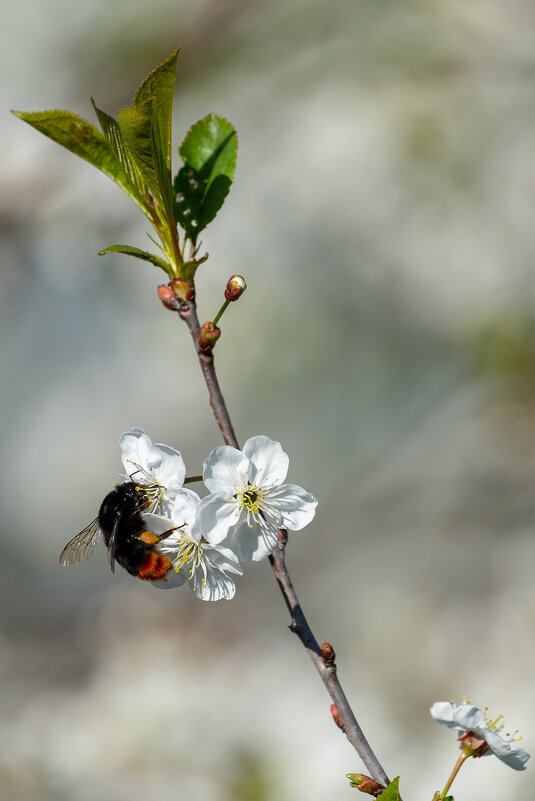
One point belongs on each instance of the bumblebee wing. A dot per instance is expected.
(82, 546)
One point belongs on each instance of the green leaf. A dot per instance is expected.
(146, 126)
(128, 250)
(390, 793)
(135, 124)
(113, 134)
(204, 140)
(160, 84)
(209, 154)
(83, 139)
(141, 135)
(141, 129)
(162, 144)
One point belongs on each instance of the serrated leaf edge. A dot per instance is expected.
(203, 119)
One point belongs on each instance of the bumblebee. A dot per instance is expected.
(120, 524)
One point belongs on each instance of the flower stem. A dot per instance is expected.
(220, 312)
(299, 624)
(192, 479)
(453, 774)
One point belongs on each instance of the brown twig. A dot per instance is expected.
(188, 313)
(323, 662)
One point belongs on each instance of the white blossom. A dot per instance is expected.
(247, 491)
(204, 567)
(467, 718)
(158, 469)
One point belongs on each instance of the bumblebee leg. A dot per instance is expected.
(149, 538)
(167, 533)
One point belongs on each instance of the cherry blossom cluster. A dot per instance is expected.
(237, 521)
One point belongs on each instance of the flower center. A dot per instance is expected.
(191, 552)
(148, 484)
(259, 508)
(252, 500)
(497, 725)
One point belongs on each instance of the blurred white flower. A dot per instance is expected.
(203, 566)
(471, 720)
(158, 469)
(247, 492)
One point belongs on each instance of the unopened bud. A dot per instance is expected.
(336, 717)
(236, 286)
(208, 336)
(365, 783)
(167, 296)
(183, 289)
(327, 653)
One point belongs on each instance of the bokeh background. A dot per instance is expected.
(383, 216)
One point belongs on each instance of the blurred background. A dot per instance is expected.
(382, 214)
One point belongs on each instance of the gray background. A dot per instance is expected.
(382, 215)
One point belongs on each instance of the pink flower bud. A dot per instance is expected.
(365, 783)
(236, 286)
(336, 717)
(167, 296)
(208, 336)
(327, 653)
(183, 289)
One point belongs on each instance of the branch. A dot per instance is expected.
(324, 662)
(188, 313)
(323, 658)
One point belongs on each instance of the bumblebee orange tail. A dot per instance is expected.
(154, 567)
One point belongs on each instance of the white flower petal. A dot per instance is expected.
(166, 465)
(295, 505)
(172, 580)
(252, 543)
(225, 470)
(508, 752)
(185, 506)
(217, 585)
(224, 558)
(135, 445)
(212, 582)
(471, 718)
(216, 514)
(158, 524)
(442, 712)
(270, 461)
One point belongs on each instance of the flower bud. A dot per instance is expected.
(365, 783)
(327, 653)
(208, 336)
(336, 717)
(183, 289)
(236, 286)
(167, 296)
